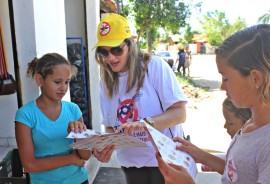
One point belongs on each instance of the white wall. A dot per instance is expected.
(50, 26)
(26, 45)
(192, 48)
(75, 18)
(92, 21)
(40, 28)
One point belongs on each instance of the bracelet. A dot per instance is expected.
(150, 121)
(142, 121)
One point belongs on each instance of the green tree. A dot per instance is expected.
(151, 14)
(217, 26)
(264, 18)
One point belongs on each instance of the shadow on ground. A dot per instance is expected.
(206, 84)
(109, 175)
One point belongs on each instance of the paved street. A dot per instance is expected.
(205, 124)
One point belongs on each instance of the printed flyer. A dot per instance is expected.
(89, 139)
(166, 147)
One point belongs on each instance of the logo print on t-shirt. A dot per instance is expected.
(127, 110)
(231, 171)
(104, 29)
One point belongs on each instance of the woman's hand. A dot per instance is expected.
(76, 126)
(173, 173)
(130, 127)
(105, 154)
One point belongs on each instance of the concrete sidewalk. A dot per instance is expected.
(111, 173)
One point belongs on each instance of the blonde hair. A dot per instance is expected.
(247, 50)
(137, 64)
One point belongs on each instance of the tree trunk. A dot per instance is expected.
(138, 40)
(149, 41)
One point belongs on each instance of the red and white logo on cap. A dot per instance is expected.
(105, 28)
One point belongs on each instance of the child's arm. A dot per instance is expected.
(80, 126)
(30, 162)
(200, 156)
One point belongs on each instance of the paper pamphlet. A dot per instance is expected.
(89, 139)
(166, 147)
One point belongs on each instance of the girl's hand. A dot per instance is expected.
(130, 127)
(77, 160)
(173, 173)
(191, 149)
(76, 126)
(105, 154)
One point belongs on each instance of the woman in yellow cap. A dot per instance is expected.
(136, 88)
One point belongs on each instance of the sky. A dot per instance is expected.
(245, 9)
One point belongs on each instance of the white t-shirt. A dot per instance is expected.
(160, 88)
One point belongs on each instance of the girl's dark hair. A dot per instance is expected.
(44, 65)
(242, 113)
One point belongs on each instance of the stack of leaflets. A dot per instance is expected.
(90, 139)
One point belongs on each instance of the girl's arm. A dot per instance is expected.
(31, 163)
(215, 163)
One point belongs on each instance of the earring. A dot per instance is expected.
(257, 87)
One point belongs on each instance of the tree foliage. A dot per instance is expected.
(151, 14)
(218, 28)
(188, 35)
(265, 18)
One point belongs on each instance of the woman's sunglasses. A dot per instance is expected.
(116, 51)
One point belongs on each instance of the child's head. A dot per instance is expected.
(52, 73)
(235, 117)
(244, 58)
(44, 66)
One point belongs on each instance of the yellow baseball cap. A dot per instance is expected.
(112, 31)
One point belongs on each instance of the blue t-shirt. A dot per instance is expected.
(49, 139)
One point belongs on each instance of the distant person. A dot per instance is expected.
(243, 60)
(134, 88)
(203, 48)
(188, 59)
(181, 57)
